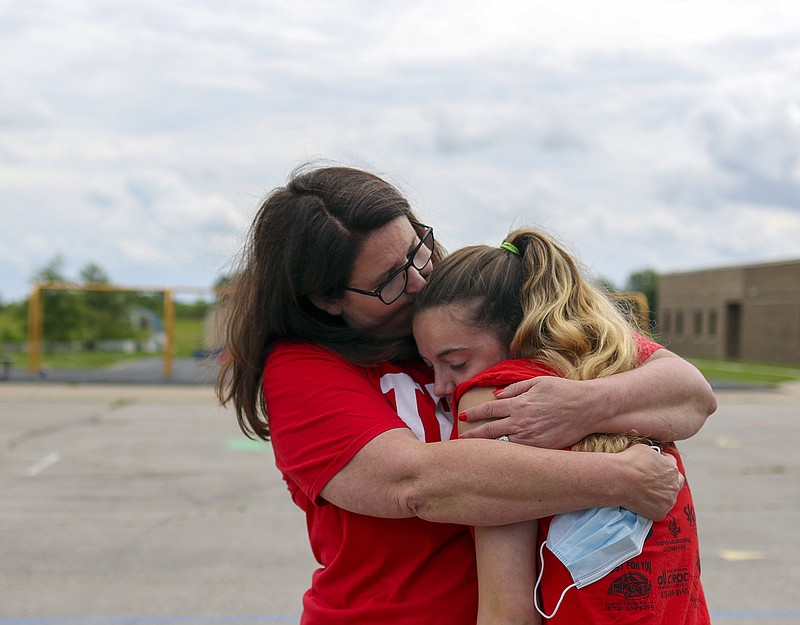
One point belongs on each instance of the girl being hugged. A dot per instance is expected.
(489, 317)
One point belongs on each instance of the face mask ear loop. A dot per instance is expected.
(536, 589)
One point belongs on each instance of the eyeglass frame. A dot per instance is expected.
(404, 269)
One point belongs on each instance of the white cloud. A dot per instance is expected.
(141, 136)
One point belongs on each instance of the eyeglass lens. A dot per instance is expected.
(397, 284)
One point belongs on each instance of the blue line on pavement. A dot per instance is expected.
(750, 614)
(282, 618)
(148, 620)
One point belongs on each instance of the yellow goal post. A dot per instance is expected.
(36, 315)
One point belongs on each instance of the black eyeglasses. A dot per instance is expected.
(393, 287)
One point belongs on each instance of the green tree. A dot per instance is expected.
(107, 312)
(13, 318)
(193, 310)
(645, 281)
(92, 273)
(53, 271)
(84, 316)
(64, 310)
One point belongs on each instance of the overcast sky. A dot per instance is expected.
(141, 135)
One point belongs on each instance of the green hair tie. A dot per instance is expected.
(510, 247)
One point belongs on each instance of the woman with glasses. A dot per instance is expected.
(320, 359)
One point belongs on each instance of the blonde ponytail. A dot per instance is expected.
(566, 322)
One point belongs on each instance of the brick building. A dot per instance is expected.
(749, 313)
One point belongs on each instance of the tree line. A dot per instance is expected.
(90, 316)
(87, 317)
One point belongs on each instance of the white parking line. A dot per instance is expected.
(736, 555)
(40, 465)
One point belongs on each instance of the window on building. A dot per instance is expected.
(667, 321)
(712, 324)
(679, 322)
(697, 325)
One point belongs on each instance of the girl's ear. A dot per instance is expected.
(330, 306)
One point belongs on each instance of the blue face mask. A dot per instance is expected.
(590, 543)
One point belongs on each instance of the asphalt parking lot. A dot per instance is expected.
(126, 504)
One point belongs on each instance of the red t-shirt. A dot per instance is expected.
(322, 410)
(660, 586)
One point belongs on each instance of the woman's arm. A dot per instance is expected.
(666, 399)
(489, 482)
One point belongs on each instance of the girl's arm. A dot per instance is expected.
(506, 559)
(666, 399)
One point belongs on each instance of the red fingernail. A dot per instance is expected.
(462, 417)
(497, 391)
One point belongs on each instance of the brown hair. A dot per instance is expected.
(303, 242)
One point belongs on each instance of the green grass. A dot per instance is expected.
(188, 339)
(11, 327)
(769, 374)
(85, 360)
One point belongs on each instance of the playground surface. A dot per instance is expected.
(144, 504)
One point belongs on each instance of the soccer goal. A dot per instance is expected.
(98, 312)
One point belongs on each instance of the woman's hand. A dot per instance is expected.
(542, 412)
(666, 399)
(657, 478)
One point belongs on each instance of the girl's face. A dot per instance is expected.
(382, 253)
(454, 348)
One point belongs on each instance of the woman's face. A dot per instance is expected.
(456, 349)
(382, 253)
